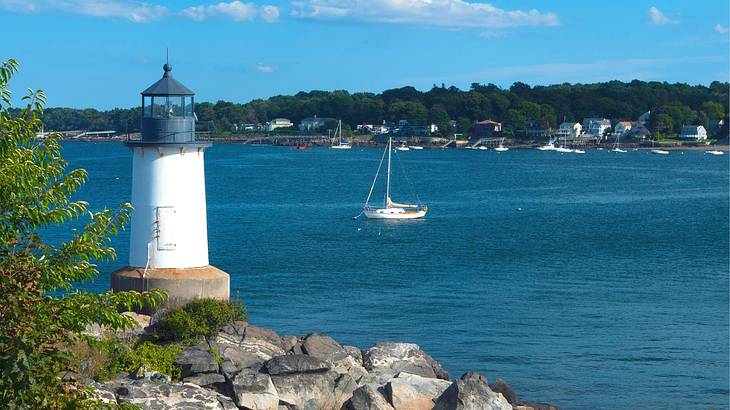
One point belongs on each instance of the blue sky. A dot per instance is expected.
(102, 53)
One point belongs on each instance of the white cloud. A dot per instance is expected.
(137, 12)
(492, 34)
(269, 13)
(445, 13)
(721, 29)
(658, 18)
(234, 10)
(263, 68)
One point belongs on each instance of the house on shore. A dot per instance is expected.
(534, 130)
(596, 126)
(486, 129)
(644, 118)
(693, 132)
(622, 128)
(277, 123)
(568, 130)
(314, 123)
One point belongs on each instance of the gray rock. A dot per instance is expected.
(529, 405)
(253, 390)
(321, 346)
(288, 343)
(411, 392)
(295, 389)
(158, 396)
(197, 359)
(205, 379)
(102, 393)
(387, 359)
(366, 398)
(501, 386)
(471, 392)
(295, 363)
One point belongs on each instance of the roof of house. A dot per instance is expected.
(488, 122)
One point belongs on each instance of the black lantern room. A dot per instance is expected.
(168, 111)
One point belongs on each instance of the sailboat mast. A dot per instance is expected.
(387, 186)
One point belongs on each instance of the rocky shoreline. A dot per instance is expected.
(249, 367)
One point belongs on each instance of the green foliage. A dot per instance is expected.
(199, 318)
(41, 312)
(155, 357)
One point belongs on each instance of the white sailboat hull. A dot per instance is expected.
(561, 149)
(660, 152)
(341, 147)
(394, 213)
(715, 152)
(618, 150)
(546, 148)
(501, 149)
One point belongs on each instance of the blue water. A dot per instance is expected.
(609, 289)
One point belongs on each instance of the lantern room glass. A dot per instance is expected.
(167, 106)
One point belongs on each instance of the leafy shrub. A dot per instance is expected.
(202, 317)
(160, 358)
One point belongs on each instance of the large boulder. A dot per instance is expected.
(412, 392)
(161, 396)
(471, 392)
(243, 346)
(255, 391)
(387, 359)
(367, 398)
(501, 386)
(295, 363)
(197, 359)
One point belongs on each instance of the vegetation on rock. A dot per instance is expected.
(199, 318)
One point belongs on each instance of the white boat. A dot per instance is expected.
(578, 151)
(390, 209)
(416, 147)
(660, 152)
(547, 147)
(501, 147)
(715, 152)
(617, 149)
(483, 148)
(563, 149)
(402, 147)
(341, 144)
(616, 145)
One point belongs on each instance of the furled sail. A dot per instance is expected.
(391, 204)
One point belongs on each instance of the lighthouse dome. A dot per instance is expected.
(168, 109)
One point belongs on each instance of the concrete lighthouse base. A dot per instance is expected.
(182, 285)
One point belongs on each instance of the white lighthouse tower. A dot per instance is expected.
(168, 247)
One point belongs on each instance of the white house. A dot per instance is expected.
(569, 130)
(621, 128)
(278, 123)
(314, 123)
(596, 126)
(693, 132)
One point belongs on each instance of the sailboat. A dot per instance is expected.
(390, 209)
(341, 144)
(616, 145)
(501, 147)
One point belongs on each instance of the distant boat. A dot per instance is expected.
(616, 145)
(483, 148)
(300, 147)
(341, 144)
(715, 152)
(660, 152)
(402, 147)
(390, 209)
(563, 149)
(416, 147)
(501, 147)
(579, 151)
(547, 147)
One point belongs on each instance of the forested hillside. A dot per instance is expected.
(672, 105)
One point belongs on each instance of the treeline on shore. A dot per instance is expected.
(451, 109)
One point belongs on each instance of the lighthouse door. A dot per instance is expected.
(166, 216)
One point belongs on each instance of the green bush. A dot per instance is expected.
(160, 358)
(199, 318)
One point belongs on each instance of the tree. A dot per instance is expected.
(40, 310)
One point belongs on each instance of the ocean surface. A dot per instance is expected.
(596, 281)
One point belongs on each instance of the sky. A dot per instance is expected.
(103, 53)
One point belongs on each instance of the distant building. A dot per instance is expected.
(534, 130)
(485, 129)
(715, 126)
(638, 131)
(373, 129)
(596, 126)
(408, 130)
(278, 123)
(314, 123)
(644, 118)
(569, 130)
(693, 132)
(622, 128)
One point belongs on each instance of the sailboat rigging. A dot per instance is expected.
(341, 144)
(390, 209)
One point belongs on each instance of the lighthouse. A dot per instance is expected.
(168, 247)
